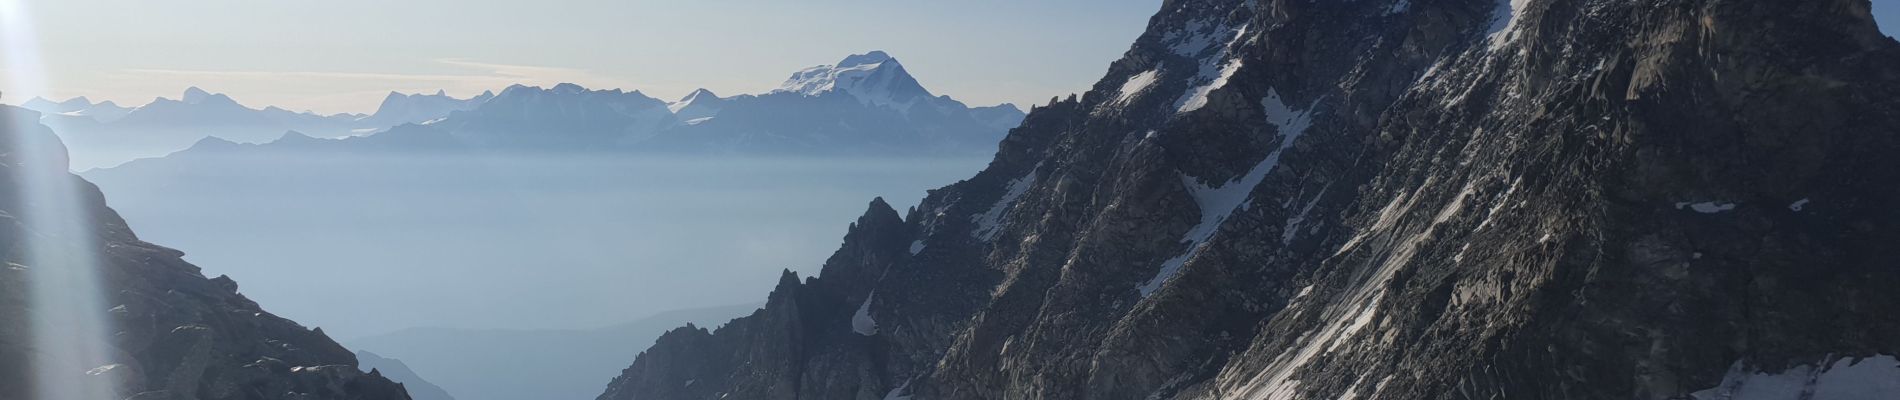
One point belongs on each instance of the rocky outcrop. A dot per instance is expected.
(1387, 199)
(163, 330)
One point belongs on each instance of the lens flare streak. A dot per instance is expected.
(68, 316)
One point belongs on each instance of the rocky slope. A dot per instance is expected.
(1385, 199)
(164, 330)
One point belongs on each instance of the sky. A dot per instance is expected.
(345, 55)
(1887, 13)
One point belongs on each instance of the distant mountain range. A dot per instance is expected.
(511, 364)
(106, 134)
(396, 370)
(865, 104)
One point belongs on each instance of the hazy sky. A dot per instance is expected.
(344, 55)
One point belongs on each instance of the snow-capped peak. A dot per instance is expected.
(698, 94)
(874, 78)
(701, 103)
(873, 57)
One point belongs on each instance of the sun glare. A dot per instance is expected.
(68, 314)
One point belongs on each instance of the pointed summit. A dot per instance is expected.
(194, 95)
(702, 93)
(701, 103)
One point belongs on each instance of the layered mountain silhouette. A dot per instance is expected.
(105, 134)
(866, 105)
(159, 328)
(399, 372)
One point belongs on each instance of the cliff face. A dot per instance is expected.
(1385, 199)
(163, 331)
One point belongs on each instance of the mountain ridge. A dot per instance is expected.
(1381, 200)
(853, 119)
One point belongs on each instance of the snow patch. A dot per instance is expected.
(1215, 69)
(1875, 377)
(1399, 7)
(1798, 205)
(1218, 202)
(1136, 85)
(104, 369)
(1707, 207)
(862, 322)
(1197, 97)
(1292, 229)
(900, 393)
(1191, 40)
(1502, 201)
(1504, 22)
(990, 222)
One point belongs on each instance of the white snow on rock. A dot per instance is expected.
(1136, 85)
(862, 322)
(1707, 207)
(1875, 377)
(1292, 229)
(700, 105)
(1503, 201)
(104, 369)
(902, 392)
(1218, 202)
(1354, 311)
(1504, 22)
(1798, 205)
(1199, 41)
(1196, 98)
(989, 223)
(916, 246)
(873, 78)
(1399, 7)
(824, 78)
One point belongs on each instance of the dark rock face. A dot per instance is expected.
(1391, 199)
(171, 333)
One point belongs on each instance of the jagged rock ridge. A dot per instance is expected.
(1385, 199)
